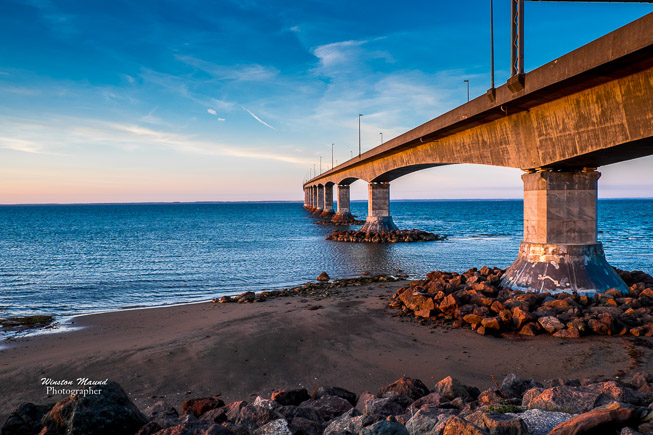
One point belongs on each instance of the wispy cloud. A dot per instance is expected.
(56, 136)
(248, 72)
(214, 113)
(19, 90)
(258, 119)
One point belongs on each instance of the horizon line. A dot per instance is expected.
(287, 201)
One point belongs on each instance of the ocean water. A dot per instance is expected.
(73, 259)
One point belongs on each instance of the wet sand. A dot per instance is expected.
(352, 341)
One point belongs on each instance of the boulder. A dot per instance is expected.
(458, 426)
(350, 422)
(382, 408)
(290, 397)
(151, 428)
(198, 407)
(424, 420)
(550, 324)
(323, 277)
(504, 424)
(250, 416)
(275, 427)
(566, 399)
(405, 386)
(385, 427)
(521, 317)
(164, 414)
(328, 407)
(194, 428)
(334, 391)
(452, 388)
(303, 426)
(246, 297)
(430, 399)
(606, 419)
(25, 419)
(540, 422)
(109, 412)
(515, 387)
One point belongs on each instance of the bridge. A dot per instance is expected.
(558, 123)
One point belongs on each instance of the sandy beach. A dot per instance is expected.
(350, 340)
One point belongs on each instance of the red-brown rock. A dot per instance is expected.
(607, 419)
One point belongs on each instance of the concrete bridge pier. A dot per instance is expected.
(306, 203)
(378, 209)
(343, 214)
(560, 252)
(320, 199)
(328, 200)
(314, 199)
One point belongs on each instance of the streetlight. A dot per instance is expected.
(331, 156)
(381, 133)
(351, 154)
(359, 134)
(320, 165)
(492, 42)
(467, 81)
(314, 173)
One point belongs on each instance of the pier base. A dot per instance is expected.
(342, 217)
(560, 252)
(378, 209)
(379, 224)
(562, 268)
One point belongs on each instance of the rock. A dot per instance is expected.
(217, 415)
(109, 412)
(550, 324)
(266, 403)
(541, 422)
(629, 431)
(275, 427)
(305, 426)
(246, 297)
(150, 428)
(25, 419)
(249, 416)
(521, 317)
(567, 333)
(350, 422)
(328, 407)
(491, 396)
(334, 391)
(458, 426)
(491, 324)
(164, 414)
(430, 399)
(198, 407)
(606, 419)
(424, 420)
(413, 388)
(194, 428)
(449, 304)
(385, 427)
(565, 399)
(290, 397)
(611, 391)
(504, 424)
(530, 329)
(452, 388)
(323, 277)
(515, 387)
(382, 408)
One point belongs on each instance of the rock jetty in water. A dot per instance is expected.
(475, 300)
(394, 236)
(407, 406)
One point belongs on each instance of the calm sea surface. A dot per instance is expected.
(72, 259)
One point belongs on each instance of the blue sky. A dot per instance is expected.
(128, 101)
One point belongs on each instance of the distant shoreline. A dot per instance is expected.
(54, 204)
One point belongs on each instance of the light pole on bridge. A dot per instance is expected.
(381, 133)
(467, 81)
(320, 165)
(331, 156)
(359, 134)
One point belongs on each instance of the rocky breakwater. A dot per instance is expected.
(475, 300)
(394, 236)
(407, 406)
(322, 289)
